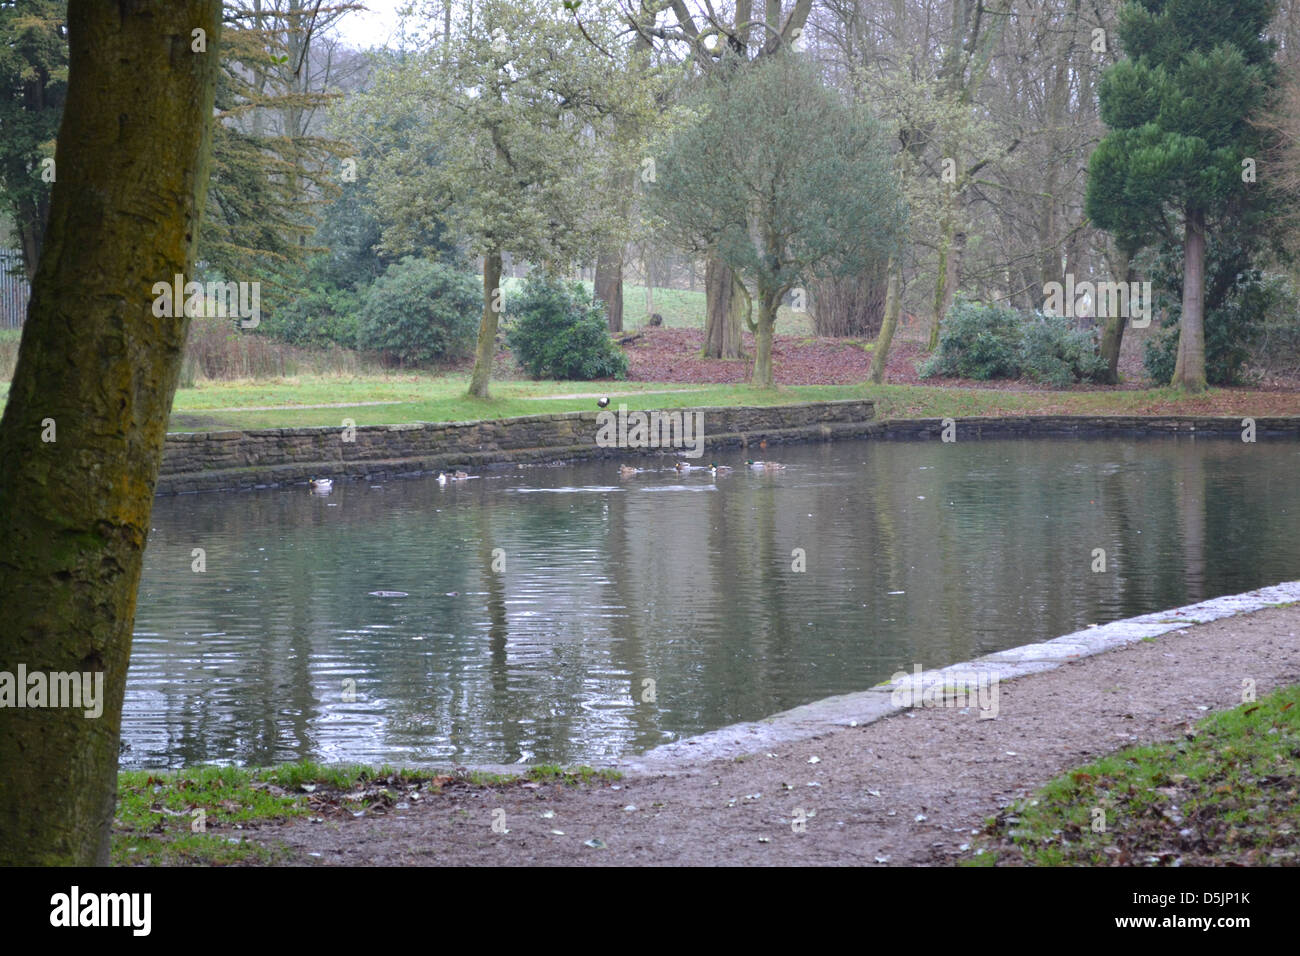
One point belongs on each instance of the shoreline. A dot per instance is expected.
(278, 457)
(911, 787)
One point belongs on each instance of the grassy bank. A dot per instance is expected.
(1226, 795)
(407, 398)
(199, 816)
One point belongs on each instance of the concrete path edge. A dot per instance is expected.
(868, 706)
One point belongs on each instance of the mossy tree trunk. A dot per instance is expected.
(768, 303)
(96, 373)
(487, 328)
(1112, 336)
(880, 357)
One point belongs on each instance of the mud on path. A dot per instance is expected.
(905, 790)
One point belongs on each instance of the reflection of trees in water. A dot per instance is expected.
(691, 588)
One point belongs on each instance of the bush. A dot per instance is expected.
(985, 342)
(420, 311)
(1237, 299)
(1231, 330)
(559, 331)
(316, 317)
(1052, 351)
(977, 341)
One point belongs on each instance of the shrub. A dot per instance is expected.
(419, 311)
(1231, 330)
(316, 317)
(1237, 299)
(977, 341)
(559, 331)
(985, 342)
(1052, 351)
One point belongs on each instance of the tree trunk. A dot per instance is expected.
(724, 313)
(880, 357)
(763, 340)
(486, 350)
(608, 284)
(1189, 373)
(1112, 336)
(950, 252)
(98, 368)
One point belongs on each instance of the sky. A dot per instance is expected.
(373, 26)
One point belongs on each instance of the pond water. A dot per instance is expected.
(540, 601)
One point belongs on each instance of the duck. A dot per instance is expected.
(626, 471)
(459, 476)
(442, 477)
(715, 469)
(322, 484)
(682, 467)
(765, 465)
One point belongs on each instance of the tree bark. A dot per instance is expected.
(102, 367)
(1112, 336)
(767, 307)
(608, 284)
(724, 313)
(950, 252)
(880, 357)
(1189, 372)
(486, 351)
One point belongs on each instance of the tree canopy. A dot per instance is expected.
(782, 180)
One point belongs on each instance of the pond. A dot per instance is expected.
(563, 614)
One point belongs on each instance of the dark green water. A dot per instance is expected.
(922, 553)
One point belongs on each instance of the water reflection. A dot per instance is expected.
(539, 603)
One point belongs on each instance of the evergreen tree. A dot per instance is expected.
(1180, 152)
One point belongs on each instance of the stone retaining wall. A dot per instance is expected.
(1107, 426)
(211, 461)
(215, 461)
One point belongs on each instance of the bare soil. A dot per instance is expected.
(907, 790)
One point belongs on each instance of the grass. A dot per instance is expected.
(1227, 795)
(196, 816)
(436, 398)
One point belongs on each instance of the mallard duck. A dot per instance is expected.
(716, 469)
(322, 484)
(626, 471)
(459, 476)
(765, 465)
(682, 467)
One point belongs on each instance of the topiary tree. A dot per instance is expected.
(419, 311)
(560, 332)
(1180, 112)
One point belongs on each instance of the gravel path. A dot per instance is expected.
(905, 790)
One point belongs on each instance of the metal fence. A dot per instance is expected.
(14, 289)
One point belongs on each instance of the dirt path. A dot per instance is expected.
(908, 789)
